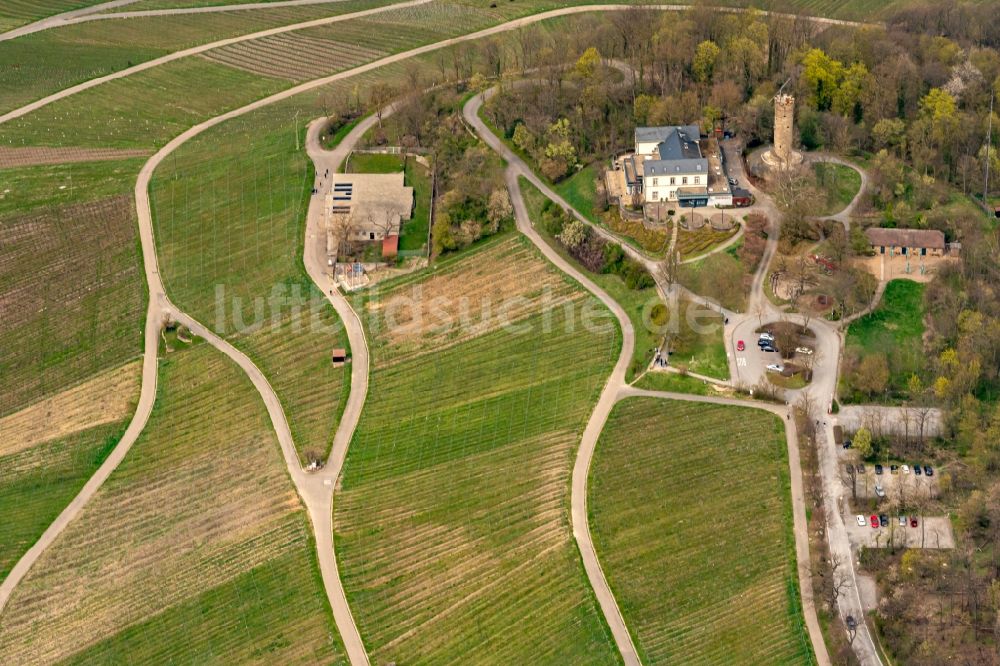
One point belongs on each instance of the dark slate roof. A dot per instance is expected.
(658, 134)
(669, 167)
(930, 238)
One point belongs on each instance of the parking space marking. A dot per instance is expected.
(741, 361)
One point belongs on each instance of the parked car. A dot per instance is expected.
(734, 182)
(928, 471)
(893, 469)
(861, 521)
(878, 469)
(740, 346)
(766, 336)
(805, 351)
(874, 521)
(916, 470)
(902, 521)
(879, 491)
(775, 367)
(883, 520)
(906, 469)
(769, 349)
(848, 443)
(861, 469)
(913, 521)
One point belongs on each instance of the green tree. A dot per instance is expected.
(889, 133)
(641, 108)
(705, 56)
(822, 75)
(588, 63)
(573, 234)
(863, 442)
(938, 105)
(846, 99)
(523, 138)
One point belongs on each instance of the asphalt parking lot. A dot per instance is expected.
(931, 532)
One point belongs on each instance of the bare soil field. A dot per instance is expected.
(106, 398)
(72, 296)
(464, 300)
(14, 156)
(197, 547)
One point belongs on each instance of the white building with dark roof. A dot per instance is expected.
(669, 166)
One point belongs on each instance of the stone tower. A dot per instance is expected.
(784, 113)
(781, 156)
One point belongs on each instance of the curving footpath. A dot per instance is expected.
(195, 50)
(617, 389)
(316, 489)
(63, 18)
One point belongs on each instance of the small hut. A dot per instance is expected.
(338, 357)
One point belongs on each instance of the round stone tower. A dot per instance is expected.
(781, 156)
(784, 113)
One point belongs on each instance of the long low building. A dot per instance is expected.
(366, 207)
(922, 242)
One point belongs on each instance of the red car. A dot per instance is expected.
(913, 521)
(740, 346)
(874, 520)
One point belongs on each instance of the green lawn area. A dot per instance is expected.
(700, 351)
(413, 236)
(637, 304)
(702, 565)
(671, 381)
(452, 528)
(839, 182)
(580, 190)
(196, 549)
(64, 184)
(895, 328)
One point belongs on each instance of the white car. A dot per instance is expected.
(861, 521)
(879, 491)
(906, 469)
(774, 367)
(767, 336)
(803, 350)
(902, 521)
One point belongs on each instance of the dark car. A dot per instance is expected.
(913, 521)
(768, 348)
(894, 469)
(883, 520)
(878, 469)
(861, 469)
(916, 470)
(928, 471)
(848, 443)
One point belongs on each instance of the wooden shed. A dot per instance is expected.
(339, 357)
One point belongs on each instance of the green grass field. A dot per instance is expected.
(196, 549)
(453, 517)
(673, 382)
(14, 13)
(839, 182)
(580, 191)
(895, 328)
(702, 563)
(40, 186)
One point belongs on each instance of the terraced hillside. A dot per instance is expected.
(452, 524)
(691, 518)
(196, 548)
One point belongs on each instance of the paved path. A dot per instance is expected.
(316, 489)
(617, 389)
(843, 216)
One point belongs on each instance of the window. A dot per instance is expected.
(697, 180)
(882, 250)
(684, 180)
(905, 250)
(656, 181)
(655, 195)
(371, 235)
(923, 252)
(673, 181)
